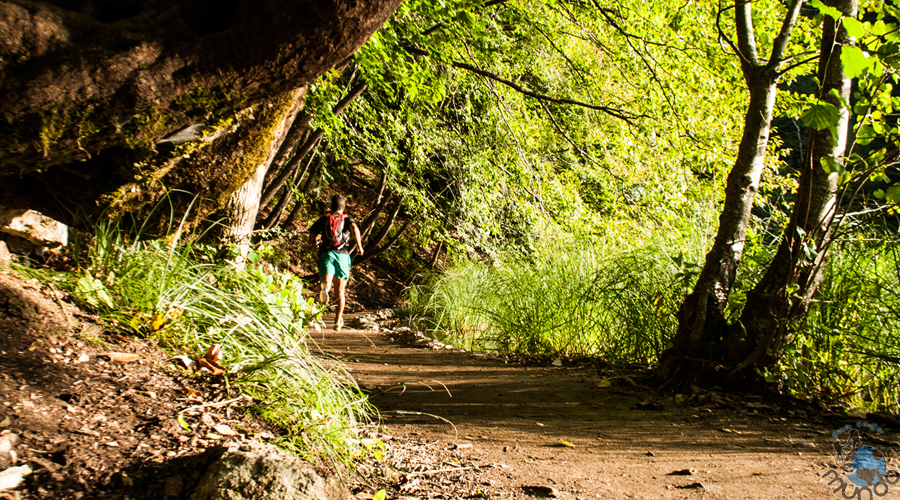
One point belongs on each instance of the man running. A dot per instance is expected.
(333, 234)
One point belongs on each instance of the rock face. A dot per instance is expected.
(35, 227)
(265, 472)
(101, 94)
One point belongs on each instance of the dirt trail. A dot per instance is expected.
(625, 440)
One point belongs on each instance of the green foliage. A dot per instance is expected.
(821, 115)
(566, 299)
(184, 296)
(480, 160)
(848, 349)
(91, 291)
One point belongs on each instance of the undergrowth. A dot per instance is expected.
(183, 295)
(621, 305)
(565, 300)
(849, 347)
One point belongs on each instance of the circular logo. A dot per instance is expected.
(868, 466)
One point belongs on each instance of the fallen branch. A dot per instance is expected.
(436, 471)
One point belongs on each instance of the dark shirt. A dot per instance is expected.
(321, 225)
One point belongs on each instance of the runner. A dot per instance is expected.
(332, 233)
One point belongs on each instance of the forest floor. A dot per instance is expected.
(455, 424)
(468, 425)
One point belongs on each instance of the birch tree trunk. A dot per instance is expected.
(700, 318)
(780, 301)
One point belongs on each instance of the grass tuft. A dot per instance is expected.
(184, 296)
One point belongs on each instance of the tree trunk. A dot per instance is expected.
(701, 315)
(779, 302)
(243, 205)
(435, 255)
(369, 222)
(287, 194)
(297, 133)
(385, 229)
(371, 254)
(295, 211)
(287, 149)
(308, 145)
(311, 177)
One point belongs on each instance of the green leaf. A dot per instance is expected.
(855, 61)
(465, 17)
(821, 115)
(380, 495)
(865, 135)
(893, 194)
(92, 291)
(830, 165)
(854, 28)
(834, 94)
(826, 10)
(183, 423)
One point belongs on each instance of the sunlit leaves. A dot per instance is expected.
(855, 61)
(826, 9)
(893, 194)
(821, 115)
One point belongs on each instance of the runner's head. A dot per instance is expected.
(338, 202)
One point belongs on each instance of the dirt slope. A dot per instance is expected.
(503, 424)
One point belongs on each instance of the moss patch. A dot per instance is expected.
(258, 144)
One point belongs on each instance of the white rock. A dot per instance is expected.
(13, 477)
(33, 226)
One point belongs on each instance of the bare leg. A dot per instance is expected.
(340, 285)
(325, 287)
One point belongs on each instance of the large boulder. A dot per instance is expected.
(103, 98)
(265, 472)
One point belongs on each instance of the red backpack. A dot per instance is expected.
(334, 236)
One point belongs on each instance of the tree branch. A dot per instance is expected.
(797, 65)
(724, 36)
(382, 234)
(370, 254)
(570, 141)
(311, 141)
(746, 38)
(784, 36)
(625, 116)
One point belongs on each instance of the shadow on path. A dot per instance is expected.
(518, 415)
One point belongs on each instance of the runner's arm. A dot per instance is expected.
(357, 238)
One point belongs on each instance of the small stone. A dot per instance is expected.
(33, 226)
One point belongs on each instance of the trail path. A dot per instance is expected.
(626, 441)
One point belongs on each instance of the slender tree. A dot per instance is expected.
(701, 320)
(780, 301)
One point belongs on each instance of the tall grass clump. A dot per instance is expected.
(564, 299)
(186, 297)
(848, 349)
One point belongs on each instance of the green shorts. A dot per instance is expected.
(334, 264)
